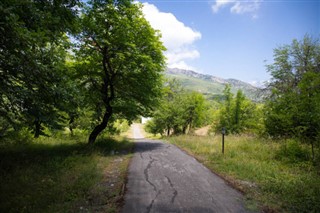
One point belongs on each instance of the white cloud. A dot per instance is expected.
(176, 37)
(245, 7)
(183, 65)
(180, 54)
(219, 4)
(238, 6)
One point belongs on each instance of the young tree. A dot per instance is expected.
(237, 114)
(226, 111)
(194, 110)
(120, 60)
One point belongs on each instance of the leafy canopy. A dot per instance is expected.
(32, 55)
(293, 108)
(120, 60)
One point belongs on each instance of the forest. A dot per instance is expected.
(75, 71)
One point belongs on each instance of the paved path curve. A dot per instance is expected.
(162, 178)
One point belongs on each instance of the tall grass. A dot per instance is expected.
(61, 174)
(265, 170)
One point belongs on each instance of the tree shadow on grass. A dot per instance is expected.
(34, 176)
(22, 155)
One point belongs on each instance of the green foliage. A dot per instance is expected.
(292, 151)
(293, 109)
(32, 55)
(179, 112)
(121, 125)
(120, 62)
(112, 65)
(262, 169)
(12, 137)
(153, 127)
(117, 127)
(238, 114)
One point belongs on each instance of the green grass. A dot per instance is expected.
(63, 175)
(261, 169)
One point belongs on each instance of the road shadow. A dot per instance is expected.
(146, 145)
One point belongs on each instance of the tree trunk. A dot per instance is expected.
(37, 129)
(71, 130)
(184, 130)
(98, 129)
(109, 94)
(70, 125)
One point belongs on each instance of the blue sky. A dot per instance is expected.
(228, 38)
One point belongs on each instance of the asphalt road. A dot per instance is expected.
(162, 178)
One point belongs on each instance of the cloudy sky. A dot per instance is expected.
(230, 38)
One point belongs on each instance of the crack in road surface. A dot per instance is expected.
(175, 173)
(175, 192)
(146, 175)
(141, 155)
(151, 204)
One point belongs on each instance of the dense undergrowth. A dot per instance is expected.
(273, 175)
(63, 174)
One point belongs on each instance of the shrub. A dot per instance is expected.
(291, 151)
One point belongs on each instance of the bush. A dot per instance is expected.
(23, 136)
(121, 125)
(291, 151)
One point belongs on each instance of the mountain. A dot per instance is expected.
(211, 86)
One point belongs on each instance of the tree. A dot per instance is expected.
(120, 61)
(179, 111)
(237, 114)
(238, 111)
(293, 106)
(32, 54)
(194, 109)
(226, 112)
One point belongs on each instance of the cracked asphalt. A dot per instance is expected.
(162, 178)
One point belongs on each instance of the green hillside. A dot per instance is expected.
(210, 86)
(200, 85)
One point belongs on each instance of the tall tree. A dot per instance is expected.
(121, 61)
(293, 109)
(32, 54)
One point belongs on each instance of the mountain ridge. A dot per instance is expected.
(211, 85)
(195, 74)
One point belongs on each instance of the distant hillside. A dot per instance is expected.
(210, 85)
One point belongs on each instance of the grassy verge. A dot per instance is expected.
(63, 175)
(262, 169)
